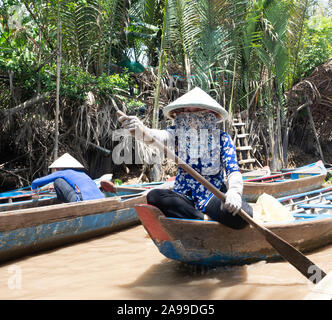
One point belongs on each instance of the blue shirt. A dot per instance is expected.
(84, 183)
(212, 156)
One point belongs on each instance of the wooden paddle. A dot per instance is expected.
(285, 249)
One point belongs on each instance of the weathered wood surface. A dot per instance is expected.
(19, 196)
(318, 197)
(252, 190)
(211, 243)
(28, 204)
(27, 231)
(24, 218)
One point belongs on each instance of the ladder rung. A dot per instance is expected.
(242, 135)
(239, 124)
(244, 148)
(246, 161)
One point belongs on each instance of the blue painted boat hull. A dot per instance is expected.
(209, 243)
(17, 243)
(30, 230)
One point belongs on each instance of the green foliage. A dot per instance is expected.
(214, 41)
(118, 182)
(329, 177)
(76, 83)
(317, 45)
(133, 105)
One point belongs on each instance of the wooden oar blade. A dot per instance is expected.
(287, 251)
(295, 257)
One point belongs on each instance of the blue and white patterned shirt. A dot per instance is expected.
(207, 149)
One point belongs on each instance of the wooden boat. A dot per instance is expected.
(317, 201)
(39, 224)
(301, 180)
(25, 231)
(210, 243)
(25, 193)
(20, 195)
(110, 189)
(259, 173)
(29, 203)
(49, 198)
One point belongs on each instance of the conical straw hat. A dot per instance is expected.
(195, 98)
(66, 161)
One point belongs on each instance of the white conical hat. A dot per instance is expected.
(195, 98)
(66, 161)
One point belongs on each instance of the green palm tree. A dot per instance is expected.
(200, 32)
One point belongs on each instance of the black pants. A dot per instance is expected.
(64, 191)
(175, 205)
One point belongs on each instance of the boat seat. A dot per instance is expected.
(315, 206)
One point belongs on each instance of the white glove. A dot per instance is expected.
(233, 200)
(133, 124)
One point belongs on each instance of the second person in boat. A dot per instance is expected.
(70, 183)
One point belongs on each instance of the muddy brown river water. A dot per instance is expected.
(127, 265)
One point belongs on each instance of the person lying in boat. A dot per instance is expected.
(207, 149)
(71, 184)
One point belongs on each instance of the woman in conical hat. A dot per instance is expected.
(207, 149)
(71, 184)
(65, 161)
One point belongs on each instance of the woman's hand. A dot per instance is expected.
(233, 200)
(131, 123)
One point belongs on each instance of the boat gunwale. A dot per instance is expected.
(282, 183)
(23, 218)
(269, 225)
(172, 235)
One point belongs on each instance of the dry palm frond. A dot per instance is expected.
(317, 90)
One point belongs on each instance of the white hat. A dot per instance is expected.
(195, 98)
(66, 161)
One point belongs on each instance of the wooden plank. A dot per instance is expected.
(319, 192)
(28, 204)
(244, 148)
(243, 135)
(247, 161)
(17, 219)
(251, 190)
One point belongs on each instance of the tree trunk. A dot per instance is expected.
(27, 104)
(12, 88)
(58, 75)
(315, 134)
(162, 62)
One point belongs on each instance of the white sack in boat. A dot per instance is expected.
(269, 209)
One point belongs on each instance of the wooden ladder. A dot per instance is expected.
(243, 149)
